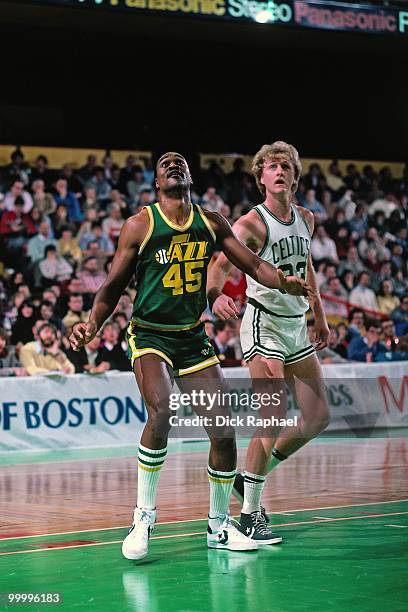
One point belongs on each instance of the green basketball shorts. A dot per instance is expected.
(186, 351)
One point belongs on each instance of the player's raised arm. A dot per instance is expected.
(243, 258)
(123, 266)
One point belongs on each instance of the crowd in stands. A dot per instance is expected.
(59, 229)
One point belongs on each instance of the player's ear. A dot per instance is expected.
(156, 182)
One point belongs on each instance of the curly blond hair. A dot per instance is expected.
(272, 150)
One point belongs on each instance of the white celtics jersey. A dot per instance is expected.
(286, 247)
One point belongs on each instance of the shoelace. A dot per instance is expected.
(259, 523)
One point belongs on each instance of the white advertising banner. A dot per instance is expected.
(85, 411)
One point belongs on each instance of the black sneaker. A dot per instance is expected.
(238, 492)
(254, 526)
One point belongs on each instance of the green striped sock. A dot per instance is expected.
(150, 463)
(221, 484)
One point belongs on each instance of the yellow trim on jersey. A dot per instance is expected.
(199, 366)
(149, 231)
(168, 329)
(149, 469)
(207, 223)
(180, 228)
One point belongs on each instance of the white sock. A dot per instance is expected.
(150, 463)
(221, 484)
(276, 458)
(253, 487)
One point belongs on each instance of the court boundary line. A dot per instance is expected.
(182, 535)
(46, 535)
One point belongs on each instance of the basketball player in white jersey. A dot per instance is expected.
(274, 336)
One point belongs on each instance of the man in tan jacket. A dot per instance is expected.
(44, 354)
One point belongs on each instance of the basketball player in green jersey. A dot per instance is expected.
(274, 337)
(169, 245)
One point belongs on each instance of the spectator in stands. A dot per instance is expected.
(389, 335)
(118, 199)
(114, 180)
(339, 231)
(17, 190)
(48, 315)
(333, 178)
(60, 220)
(22, 330)
(17, 227)
(224, 333)
(42, 200)
(44, 354)
(69, 199)
(73, 183)
(347, 205)
(68, 246)
(135, 185)
(238, 181)
(235, 287)
(76, 312)
(313, 178)
(208, 326)
(323, 247)
(347, 280)
(37, 245)
(352, 262)
(329, 271)
(41, 172)
(373, 240)
(11, 313)
(85, 173)
(215, 176)
(397, 258)
(387, 300)
(113, 223)
(100, 183)
(316, 207)
(352, 175)
(400, 315)
(87, 359)
(367, 348)
(91, 276)
(18, 169)
(54, 268)
(126, 173)
(212, 201)
(356, 325)
(359, 223)
(112, 350)
(97, 234)
(362, 295)
(336, 291)
(9, 364)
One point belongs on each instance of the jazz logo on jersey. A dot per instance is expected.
(161, 256)
(187, 260)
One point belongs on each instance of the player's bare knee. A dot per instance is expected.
(224, 444)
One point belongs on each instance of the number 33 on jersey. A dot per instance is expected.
(171, 271)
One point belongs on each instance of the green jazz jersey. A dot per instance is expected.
(171, 271)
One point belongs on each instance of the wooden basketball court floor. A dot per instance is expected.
(341, 505)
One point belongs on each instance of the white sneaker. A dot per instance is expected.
(136, 544)
(228, 537)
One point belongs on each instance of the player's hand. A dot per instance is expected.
(82, 333)
(322, 333)
(294, 285)
(224, 308)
